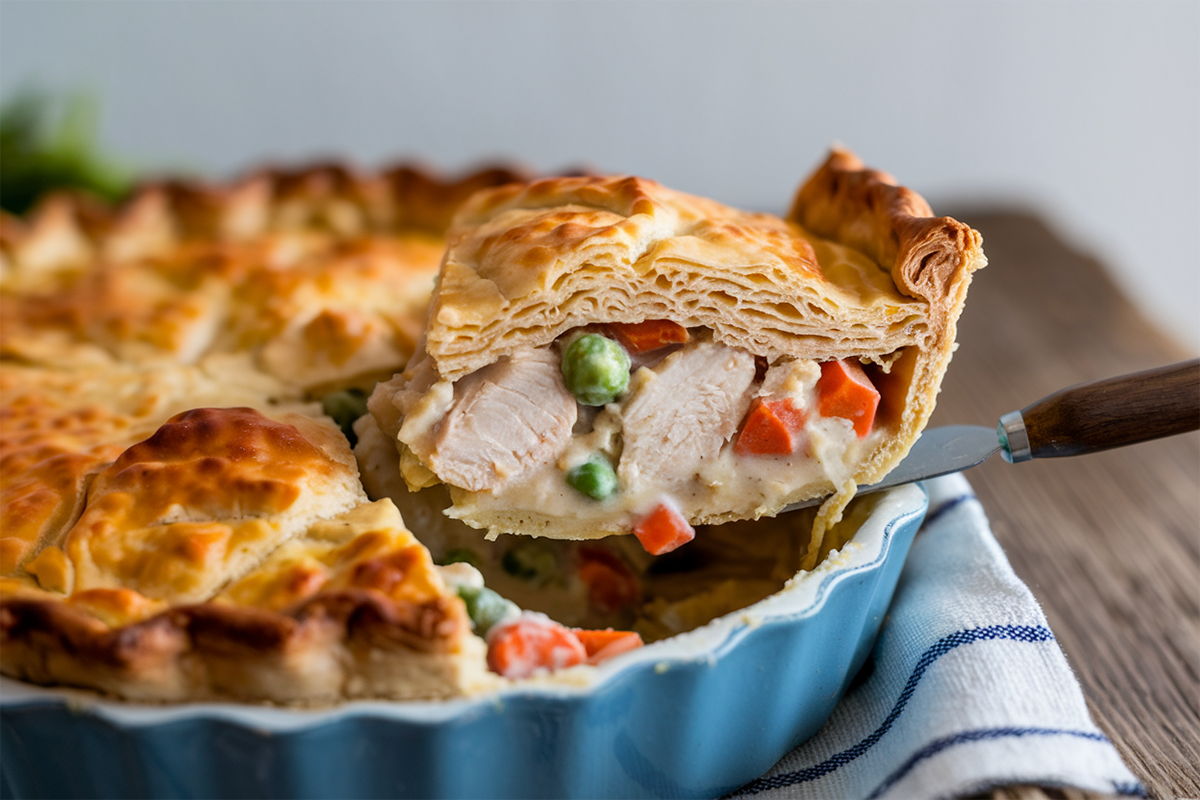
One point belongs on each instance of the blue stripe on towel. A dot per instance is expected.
(1129, 789)
(979, 735)
(1021, 633)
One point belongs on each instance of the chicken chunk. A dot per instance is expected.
(505, 420)
(681, 413)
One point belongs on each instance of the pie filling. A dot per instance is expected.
(611, 584)
(643, 428)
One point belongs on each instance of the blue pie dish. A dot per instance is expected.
(696, 715)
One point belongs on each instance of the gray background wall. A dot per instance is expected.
(1086, 111)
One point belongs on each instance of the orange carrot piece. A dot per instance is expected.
(595, 640)
(523, 647)
(610, 583)
(642, 337)
(603, 645)
(772, 427)
(663, 530)
(845, 391)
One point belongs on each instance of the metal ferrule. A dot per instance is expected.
(1014, 438)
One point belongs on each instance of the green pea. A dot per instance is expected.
(485, 607)
(531, 561)
(460, 555)
(596, 369)
(345, 407)
(594, 477)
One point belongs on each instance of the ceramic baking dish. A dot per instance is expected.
(696, 715)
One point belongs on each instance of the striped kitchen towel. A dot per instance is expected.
(966, 689)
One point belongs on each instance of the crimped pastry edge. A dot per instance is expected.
(932, 258)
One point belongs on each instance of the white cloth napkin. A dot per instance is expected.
(966, 690)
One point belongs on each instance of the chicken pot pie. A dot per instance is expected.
(604, 355)
(181, 514)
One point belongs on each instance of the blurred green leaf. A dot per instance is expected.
(48, 144)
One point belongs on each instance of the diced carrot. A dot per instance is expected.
(519, 649)
(642, 337)
(603, 645)
(772, 427)
(596, 640)
(845, 391)
(663, 530)
(610, 583)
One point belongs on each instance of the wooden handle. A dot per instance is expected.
(1115, 412)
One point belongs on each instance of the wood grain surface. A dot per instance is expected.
(1109, 543)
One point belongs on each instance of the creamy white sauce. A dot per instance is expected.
(827, 454)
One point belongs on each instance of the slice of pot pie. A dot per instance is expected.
(611, 582)
(604, 355)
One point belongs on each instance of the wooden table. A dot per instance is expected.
(1109, 543)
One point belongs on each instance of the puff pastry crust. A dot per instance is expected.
(319, 277)
(178, 520)
(859, 269)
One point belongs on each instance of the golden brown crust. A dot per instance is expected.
(43, 476)
(318, 276)
(526, 263)
(68, 230)
(208, 495)
(927, 256)
(177, 524)
(307, 593)
(59, 428)
(216, 651)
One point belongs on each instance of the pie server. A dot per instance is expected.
(1083, 419)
